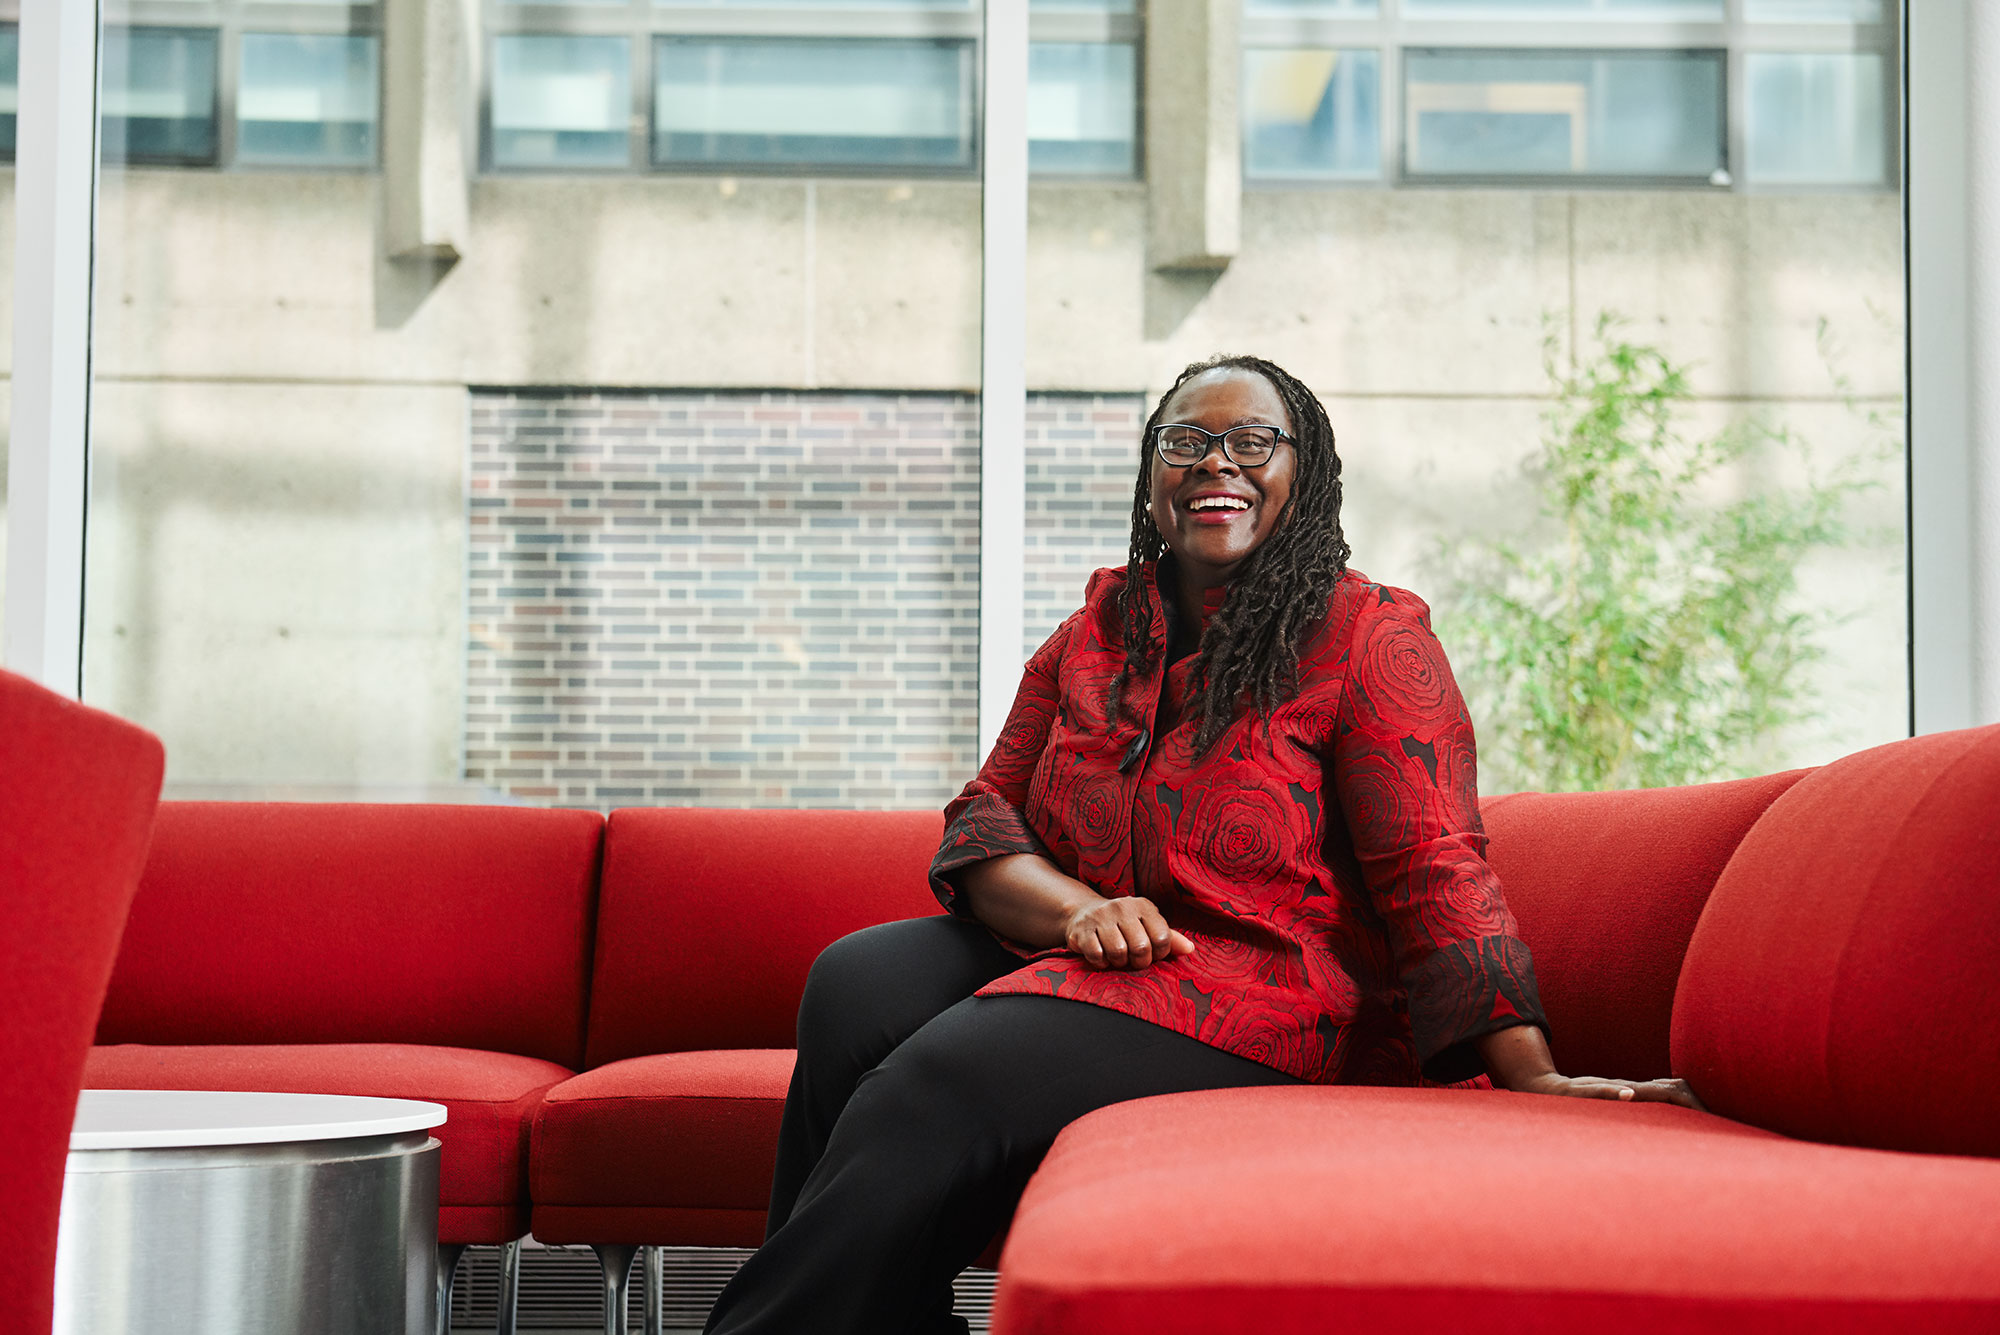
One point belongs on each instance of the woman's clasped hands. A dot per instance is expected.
(1124, 933)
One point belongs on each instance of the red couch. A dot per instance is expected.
(707, 924)
(1836, 1004)
(425, 952)
(1796, 945)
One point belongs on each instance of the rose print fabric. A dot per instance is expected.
(1329, 866)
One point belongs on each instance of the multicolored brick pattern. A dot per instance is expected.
(755, 599)
(1083, 452)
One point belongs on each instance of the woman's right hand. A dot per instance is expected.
(1124, 933)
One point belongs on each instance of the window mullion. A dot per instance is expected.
(55, 177)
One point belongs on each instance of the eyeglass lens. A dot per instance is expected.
(1247, 446)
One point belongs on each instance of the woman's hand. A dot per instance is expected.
(1124, 933)
(1027, 898)
(1626, 1091)
(1518, 1058)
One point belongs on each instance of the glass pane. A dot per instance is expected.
(159, 95)
(1815, 119)
(1312, 113)
(307, 99)
(1081, 108)
(10, 86)
(1506, 113)
(809, 4)
(746, 101)
(1091, 6)
(345, 539)
(754, 599)
(1341, 7)
(10, 101)
(1542, 9)
(1813, 11)
(1441, 327)
(562, 101)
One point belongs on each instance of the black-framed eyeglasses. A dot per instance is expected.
(1184, 446)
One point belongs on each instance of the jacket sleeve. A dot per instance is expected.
(988, 818)
(1406, 773)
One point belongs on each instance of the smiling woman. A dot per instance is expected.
(1223, 475)
(1233, 813)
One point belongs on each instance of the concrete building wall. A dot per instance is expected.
(275, 579)
(252, 321)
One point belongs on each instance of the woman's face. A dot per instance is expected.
(1210, 544)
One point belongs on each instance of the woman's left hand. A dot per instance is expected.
(1628, 1091)
(1518, 1058)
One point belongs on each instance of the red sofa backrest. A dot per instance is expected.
(77, 791)
(1843, 983)
(282, 922)
(1607, 888)
(709, 919)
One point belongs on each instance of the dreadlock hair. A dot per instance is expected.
(1250, 651)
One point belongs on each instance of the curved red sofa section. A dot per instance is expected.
(1813, 952)
(708, 923)
(405, 951)
(1771, 939)
(1844, 983)
(77, 795)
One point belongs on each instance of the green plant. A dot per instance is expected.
(1651, 633)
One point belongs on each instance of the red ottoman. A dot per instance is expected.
(1295, 1211)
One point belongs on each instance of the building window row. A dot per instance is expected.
(1786, 93)
(1763, 93)
(814, 85)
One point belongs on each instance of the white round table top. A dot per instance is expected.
(152, 1119)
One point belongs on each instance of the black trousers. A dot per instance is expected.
(917, 1113)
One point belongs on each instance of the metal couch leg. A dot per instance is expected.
(448, 1254)
(510, 1286)
(616, 1260)
(656, 1296)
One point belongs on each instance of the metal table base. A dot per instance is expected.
(319, 1237)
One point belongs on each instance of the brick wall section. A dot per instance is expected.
(1083, 453)
(731, 599)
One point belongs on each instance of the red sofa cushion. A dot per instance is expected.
(77, 792)
(691, 1132)
(1607, 888)
(1277, 1210)
(709, 919)
(489, 1098)
(1841, 983)
(276, 922)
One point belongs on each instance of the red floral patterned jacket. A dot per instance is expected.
(1330, 868)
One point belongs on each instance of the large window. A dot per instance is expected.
(1779, 94)
(812, 102)
(307, 99)
(250, 83)
(1444, 203)
(825, 87)
(10, 58)
(159, 95)
(625, 447)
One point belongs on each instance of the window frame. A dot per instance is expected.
(1616, 180)
(640, 21)
(1391, 30)
(230, 20)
